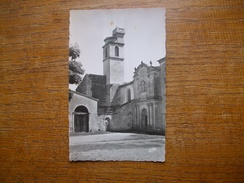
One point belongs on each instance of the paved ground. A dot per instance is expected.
(117, 146)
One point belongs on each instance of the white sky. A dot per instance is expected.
(144, 36)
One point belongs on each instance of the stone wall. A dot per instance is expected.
(103, 122)
(94, 86)
(159, 124)
(85, 86)
(122, 120)
(99, 88)
(116, 72)
(121, 95)
(91, 105)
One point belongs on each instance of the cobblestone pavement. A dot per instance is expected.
(117, 146)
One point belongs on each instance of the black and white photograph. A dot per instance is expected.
(117, 85)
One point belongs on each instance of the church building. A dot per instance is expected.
(106, 103)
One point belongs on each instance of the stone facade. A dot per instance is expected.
(83, 115)
(122, 119)
(135, 106)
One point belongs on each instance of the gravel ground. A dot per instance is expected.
(117, 147)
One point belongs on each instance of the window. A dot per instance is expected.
(116, 51)
(106, 52)
(128, 95)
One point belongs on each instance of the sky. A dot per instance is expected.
(144, 36)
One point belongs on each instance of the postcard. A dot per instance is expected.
(117, 85)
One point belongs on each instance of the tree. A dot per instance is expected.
(75, 67)
(74, 51)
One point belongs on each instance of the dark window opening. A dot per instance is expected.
(116, 51)
(128, 95)
(106, 52)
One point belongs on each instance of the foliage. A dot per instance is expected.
(74, 78)
(74, 51)
(75, 67)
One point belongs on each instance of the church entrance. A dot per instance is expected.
(81, 119)
(144, 120)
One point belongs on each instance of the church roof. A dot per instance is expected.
(81, 94)
(96, 78)
(125, 84)
(110, 39)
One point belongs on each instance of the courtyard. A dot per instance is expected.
(111, 146)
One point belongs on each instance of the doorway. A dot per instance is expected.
(107, 123)
(81, 119)
(144, 119)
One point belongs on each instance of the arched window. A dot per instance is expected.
(128, 95)
(106, 52)
(116, 51)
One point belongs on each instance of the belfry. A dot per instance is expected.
(113, 57)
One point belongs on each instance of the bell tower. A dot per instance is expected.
(113, 57)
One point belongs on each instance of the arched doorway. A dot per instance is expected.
(144, 119)
(81, 119)
(107, 122)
